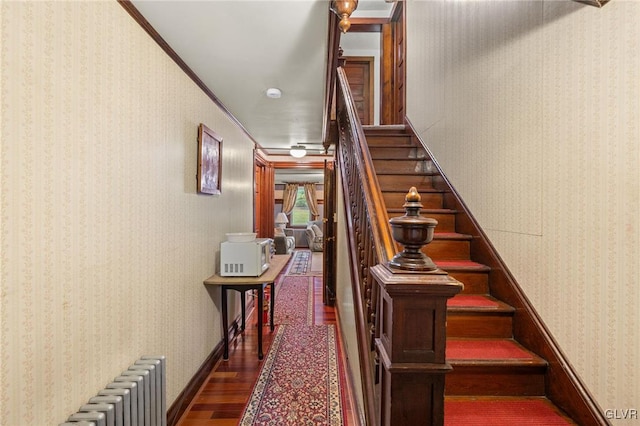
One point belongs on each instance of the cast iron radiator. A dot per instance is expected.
(137, 397)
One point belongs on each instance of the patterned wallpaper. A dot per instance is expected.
(533, 110)
(104, 241)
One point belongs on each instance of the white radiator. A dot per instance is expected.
(137, 397)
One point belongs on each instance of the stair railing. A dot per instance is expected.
(399, 297)
(369, 238)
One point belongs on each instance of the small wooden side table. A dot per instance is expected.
(242, 285)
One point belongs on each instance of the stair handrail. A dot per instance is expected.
(350, 130)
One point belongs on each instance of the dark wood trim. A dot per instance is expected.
(265, 186)
(387, 63)
(328, 113)
(260, 158)
(563, 386)
(181, 403)
(397, 11)
(329, 260)
(368, 21)
(365, 28)
(137, 16)
(367, 25)
(596, 3)
(399, 59)
(295, 165)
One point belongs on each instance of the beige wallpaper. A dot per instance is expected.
(104, 241)
(533, 110)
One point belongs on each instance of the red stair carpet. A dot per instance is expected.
(502, 412)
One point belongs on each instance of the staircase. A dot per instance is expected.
(495, 379)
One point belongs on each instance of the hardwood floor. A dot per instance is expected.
(222, 398)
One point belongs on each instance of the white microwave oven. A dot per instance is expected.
(245, 259)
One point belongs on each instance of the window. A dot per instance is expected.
(300, 214)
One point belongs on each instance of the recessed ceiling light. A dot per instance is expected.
(274, 93)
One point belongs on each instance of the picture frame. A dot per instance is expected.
(209, 161)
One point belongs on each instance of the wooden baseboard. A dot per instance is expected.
(182, 402)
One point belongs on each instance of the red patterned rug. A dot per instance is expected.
(299, 381)
(294, 301)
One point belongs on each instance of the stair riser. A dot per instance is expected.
(397, 199)
(474, 325)
(474, 282)
(493, 382)
(403, 166)
(446, 221)
(447, 249)
(404, 182)
(402, 152)
(382, 140)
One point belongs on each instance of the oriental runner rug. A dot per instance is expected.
(316, 263)
(301, 263)
(299, 382)
(294, 301)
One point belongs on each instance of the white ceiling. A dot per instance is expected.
(240, 48)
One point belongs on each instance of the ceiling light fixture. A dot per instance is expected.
(274, 93)
(298, 151)
(344, 9)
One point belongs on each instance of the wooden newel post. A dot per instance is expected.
(412, 325)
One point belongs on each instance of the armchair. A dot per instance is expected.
(285, 242)
(315, 237)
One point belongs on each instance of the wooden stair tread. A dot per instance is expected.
(502, 411)
(451, 236)
(401, 159)
(403, 173)
(390, 158)
(424, 212)
(477, 303)
(489, 352)
(461, 265)
(391, 146)
(384, 127)
(423, 191)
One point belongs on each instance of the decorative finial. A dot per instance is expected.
(344, 9)
(412, 231)
(344, 24)
(412, 195)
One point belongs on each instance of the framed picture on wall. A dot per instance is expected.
(209, 161)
